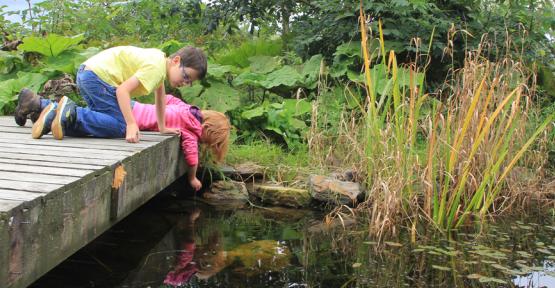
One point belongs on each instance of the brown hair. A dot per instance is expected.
(193, 58)
(215, 132)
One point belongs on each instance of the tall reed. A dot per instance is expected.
(423, 158)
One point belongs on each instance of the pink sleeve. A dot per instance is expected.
(189, 145)
(172, 100)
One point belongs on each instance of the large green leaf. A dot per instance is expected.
(9, 61)
(10, 88)
(217, 70)
(351, 49)
(249, 78)
(51, 45)
(286, 76)
(33, 81)
(66, 62)
(297, 107)
(219, 96)
(190, 93)
(171, 46)
(253, 113)
(311, 71)
(263, 64)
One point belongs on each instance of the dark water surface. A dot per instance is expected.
(186, 243)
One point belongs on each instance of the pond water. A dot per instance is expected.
(173, 242)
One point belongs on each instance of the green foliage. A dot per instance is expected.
(10, 61)
(240, 56)
(286, 119)
(311, 71)
(10, 88)
(51, 45)
(266, 154)
(263, 64)
(287, 76)
(171, 46)
(217, 96)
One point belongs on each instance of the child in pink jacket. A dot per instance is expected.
(208, 127)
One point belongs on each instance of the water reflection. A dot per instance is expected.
(171, 243)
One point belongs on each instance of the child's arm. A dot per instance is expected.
(123, 95)
(160, 102)
(193, 180)
(189, 145)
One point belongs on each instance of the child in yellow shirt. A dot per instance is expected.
(107, 81)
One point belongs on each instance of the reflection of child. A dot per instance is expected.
(209, 127)
(185, 268)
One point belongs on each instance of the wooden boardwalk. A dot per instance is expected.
(57, 196)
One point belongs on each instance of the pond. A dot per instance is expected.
(172, 242)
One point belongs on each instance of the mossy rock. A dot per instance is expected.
(282, 196)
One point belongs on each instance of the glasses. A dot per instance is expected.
(186, 77)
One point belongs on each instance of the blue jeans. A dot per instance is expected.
(102, 118)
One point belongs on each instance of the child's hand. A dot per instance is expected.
(195, 183)
(170, 131)
(132, 133)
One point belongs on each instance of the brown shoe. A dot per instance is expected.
(28, 104)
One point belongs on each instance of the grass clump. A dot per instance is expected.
(439, 158)
(279, 165)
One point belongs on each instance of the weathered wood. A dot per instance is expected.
(63, 155)
(28, 186)
(15, 195)
(7, 205)
(50, 158)
(49, 171)
(83, 144)
(26, 134)
(37, 177)
(45, 164)
(54, 149)
(78, 140)
(56, 196)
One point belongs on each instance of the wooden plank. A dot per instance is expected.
(98, 151)
(7, 205)
(56, 159)
(65, 155)
(73, 144)
(49, 171)
(37, 177)
(18, 195)
(77, 140)
(9, 120)
(28, 186)
(146, 136)
(47, 165)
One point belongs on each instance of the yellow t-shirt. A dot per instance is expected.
(117, 64)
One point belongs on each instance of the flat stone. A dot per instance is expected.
(348, 175)
(227, 191)
(282, 196)
(333, 191)
(229, 172)
(249, 171)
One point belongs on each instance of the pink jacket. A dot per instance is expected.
(177, 116)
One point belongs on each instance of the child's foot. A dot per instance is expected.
(44, 122)
(28, 104)
(66, 114)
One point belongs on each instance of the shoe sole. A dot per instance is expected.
(57, 130)
(38, 126)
